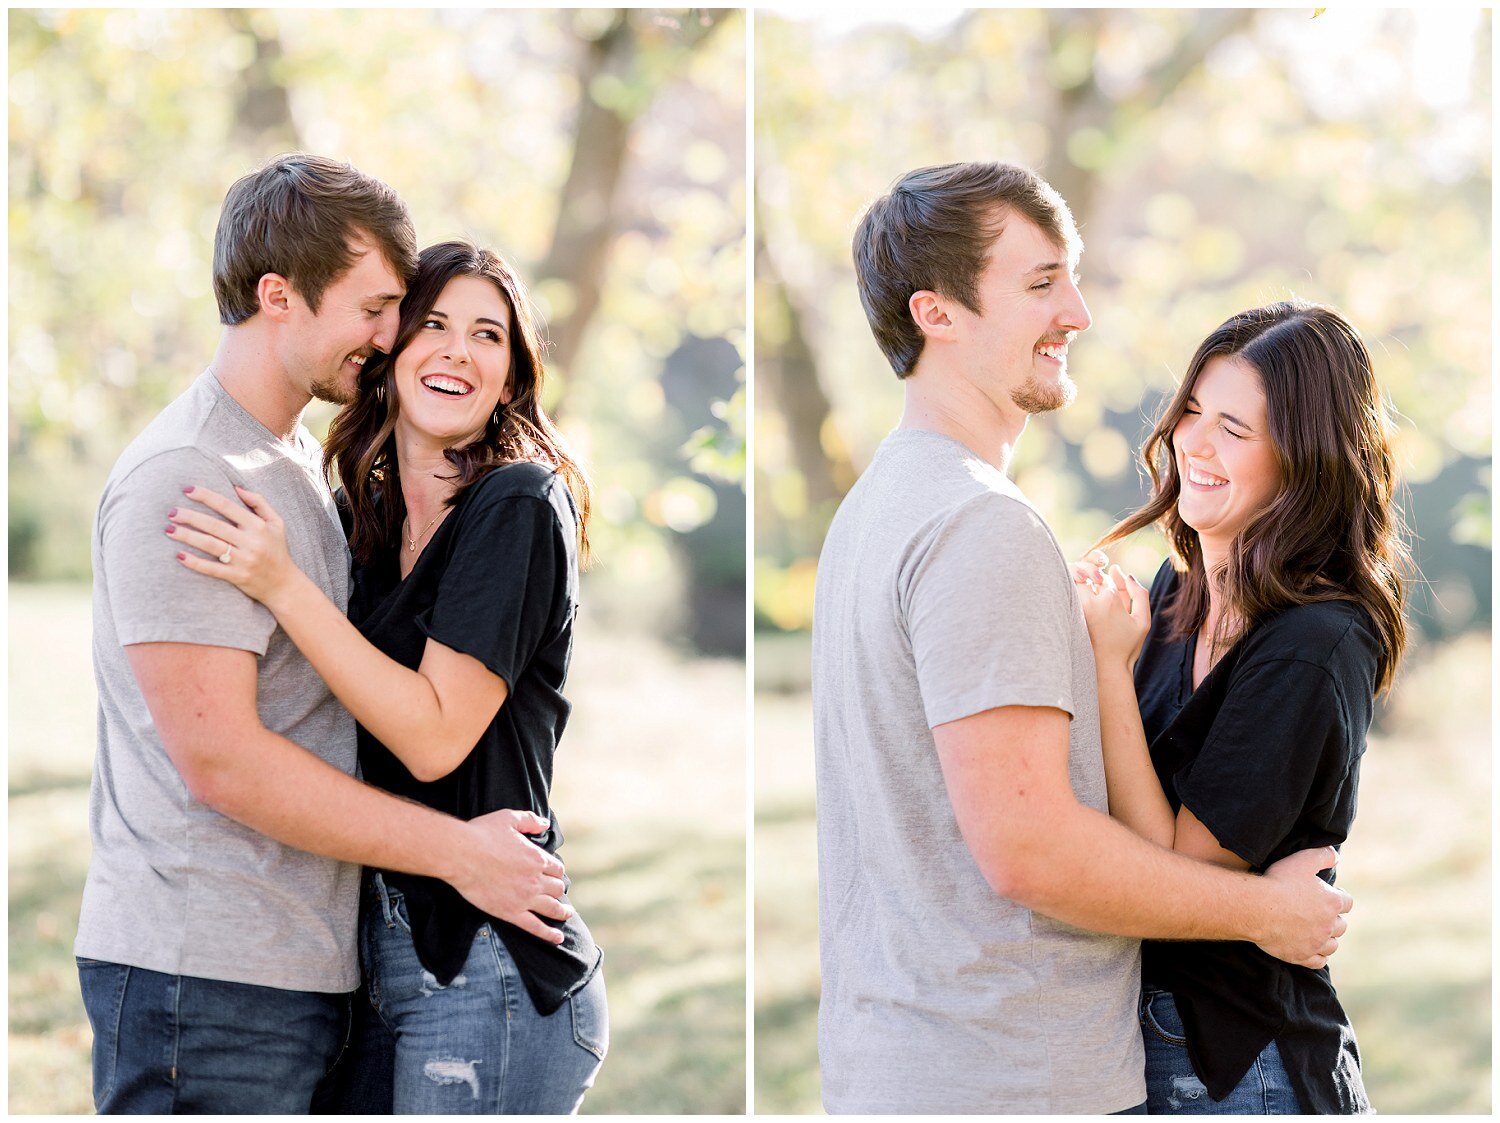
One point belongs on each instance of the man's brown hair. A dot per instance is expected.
(933, 231)
(297, 217)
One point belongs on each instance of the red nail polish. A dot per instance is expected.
(187, 491)
(171, 530)
(182, 557)
(172, 514)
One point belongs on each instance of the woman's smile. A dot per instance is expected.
(454, 371)
(447, 386)
(1201, 480)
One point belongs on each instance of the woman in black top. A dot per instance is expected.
(466, 515)
(1256, 658)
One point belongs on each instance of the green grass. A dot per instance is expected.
(1414, 971)
(650, 788)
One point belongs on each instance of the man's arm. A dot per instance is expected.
(202, 701)
(1006, 771)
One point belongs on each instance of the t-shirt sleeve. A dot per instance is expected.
(495, 599)
(153, 597)
(1161, 584)
(1278, 745)
(991, 614)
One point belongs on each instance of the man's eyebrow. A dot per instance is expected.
(1050, 267)
(385, 297)
(1225, 416)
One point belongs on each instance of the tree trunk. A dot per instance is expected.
(587, 214)
(263, 121)
(586, 211)
(789, 372)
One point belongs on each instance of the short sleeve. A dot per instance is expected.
(990, 613)
(1161, 586)
(154, 598)
(1278, 745)
(495, 598)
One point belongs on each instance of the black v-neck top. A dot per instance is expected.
(1266, 754)
(498, 581)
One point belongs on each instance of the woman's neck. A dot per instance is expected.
(1215, 555)
(426, 483)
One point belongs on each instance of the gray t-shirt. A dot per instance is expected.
(173, 885)
(942, 593)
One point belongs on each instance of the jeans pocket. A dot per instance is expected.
(103, 986)
(589, 1009)
(1159, 1015)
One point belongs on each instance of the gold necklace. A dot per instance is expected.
(411, 543)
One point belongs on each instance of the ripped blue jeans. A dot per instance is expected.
(1172, 1088)
(475, 1047)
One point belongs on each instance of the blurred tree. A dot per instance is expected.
(1215, 160)
(263, 118)
(788, 374)
(623, 66)
(600, 150)
(1090, 125)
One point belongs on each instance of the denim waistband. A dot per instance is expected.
(378, 890)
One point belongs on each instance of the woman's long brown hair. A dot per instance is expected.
(361, 441)
(1333, 532)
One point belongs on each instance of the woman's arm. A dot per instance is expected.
(1135, 794)
(1117, 609)
(430, 718)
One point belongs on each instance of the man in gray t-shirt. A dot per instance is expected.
(216, 946)
(173, 885)
(978, 910)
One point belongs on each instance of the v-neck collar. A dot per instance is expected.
(401, 543)
(387, 564)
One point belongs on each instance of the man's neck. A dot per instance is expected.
(248, 369)
(956, 408)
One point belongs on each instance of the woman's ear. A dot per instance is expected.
(508, 394)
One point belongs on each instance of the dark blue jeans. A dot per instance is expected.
(477, 1046)
(178, 1045)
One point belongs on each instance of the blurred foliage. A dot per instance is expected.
(1214, 160)
(602, 150)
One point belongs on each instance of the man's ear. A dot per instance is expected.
(275, 294)
(929, 311)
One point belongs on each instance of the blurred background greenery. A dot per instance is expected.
(602, 150)
(1214, 161)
